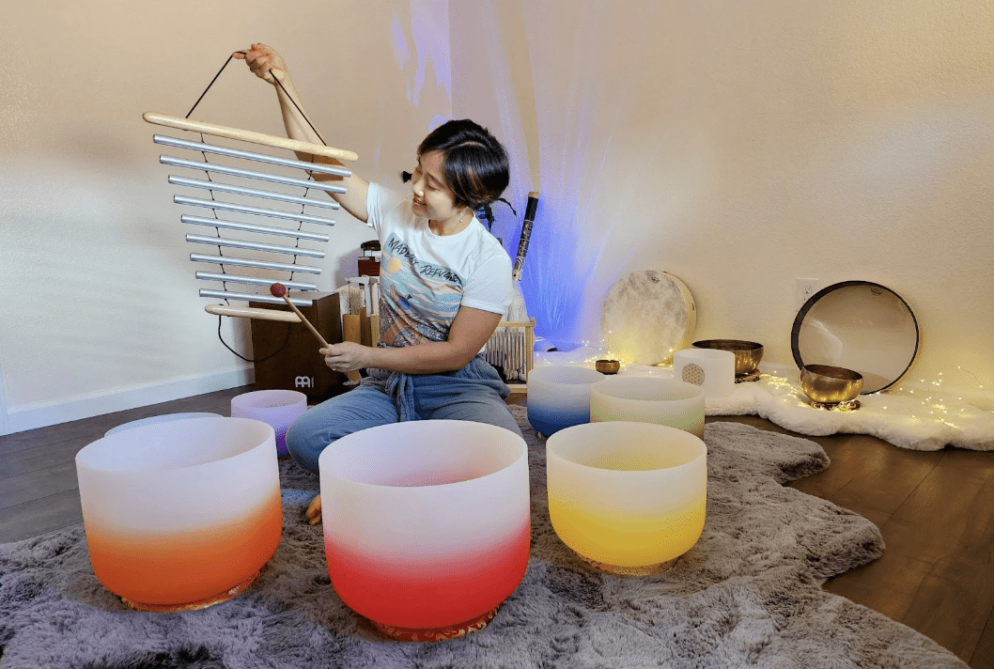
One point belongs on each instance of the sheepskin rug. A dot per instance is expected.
(747, 595)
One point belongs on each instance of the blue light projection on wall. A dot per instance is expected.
(429, 31)
(567, 241)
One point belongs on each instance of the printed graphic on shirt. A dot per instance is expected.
(419, 299)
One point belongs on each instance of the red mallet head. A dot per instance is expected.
(277, 289)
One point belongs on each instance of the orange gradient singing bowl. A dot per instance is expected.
(629, 497)
(427, 524)
(183, 514)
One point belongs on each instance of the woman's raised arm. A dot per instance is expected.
(269, 66)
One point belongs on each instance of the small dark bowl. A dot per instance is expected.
(607, 366)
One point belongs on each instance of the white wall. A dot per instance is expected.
(743, 145)
(101, 311)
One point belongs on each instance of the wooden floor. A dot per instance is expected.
(936, 512)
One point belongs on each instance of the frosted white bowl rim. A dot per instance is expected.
(346, 441)
(580, 375)
(690, 391)
(621, 426)
(100, 447)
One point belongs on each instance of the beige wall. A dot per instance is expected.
(741, 146)
(102, 311)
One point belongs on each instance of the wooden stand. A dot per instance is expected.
(511, 349)
(298, 365)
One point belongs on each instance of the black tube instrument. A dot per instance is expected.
(526, 233)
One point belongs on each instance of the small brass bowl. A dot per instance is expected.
(826, 384)
(607, 366)
(747, 353)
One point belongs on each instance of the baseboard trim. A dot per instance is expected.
(42, 414)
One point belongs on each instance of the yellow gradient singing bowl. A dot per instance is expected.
(627, 496)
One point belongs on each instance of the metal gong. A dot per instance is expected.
(861, 326)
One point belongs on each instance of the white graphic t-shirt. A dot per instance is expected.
(425, 278)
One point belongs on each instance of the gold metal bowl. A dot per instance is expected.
(747, 353)
(826, 384)
(607, 366)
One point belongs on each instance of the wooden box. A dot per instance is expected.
(297, 365)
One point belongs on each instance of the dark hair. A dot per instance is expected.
(474, 163)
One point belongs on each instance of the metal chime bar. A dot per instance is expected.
(315, 167)
(249, 174)
(245, 227)
(253, 280)
(256, 264)
(242, 209)
(253, 246)
(246, 155)
(251, 192)
(249, 136)
(253, 297)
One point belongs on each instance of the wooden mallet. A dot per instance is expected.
(279, 290)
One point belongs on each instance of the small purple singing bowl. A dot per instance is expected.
(278, 408)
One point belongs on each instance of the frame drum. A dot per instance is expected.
(647, 316)
(860, 326)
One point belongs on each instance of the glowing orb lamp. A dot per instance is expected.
(427, 524)
(628, 497)
(277, 408)
(648, 400)
(559, 397)
(183, 514)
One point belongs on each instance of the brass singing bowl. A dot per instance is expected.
(826, 384)
(747, 353)
(607, 366)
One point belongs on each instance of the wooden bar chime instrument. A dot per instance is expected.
(511, 345)
(265, 262)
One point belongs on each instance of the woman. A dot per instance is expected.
(445, 283)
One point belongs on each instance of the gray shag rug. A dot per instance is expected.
(747, 595)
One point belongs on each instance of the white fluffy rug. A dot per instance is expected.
(747, 595)
(921, 420)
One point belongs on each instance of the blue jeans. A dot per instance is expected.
(474, 393)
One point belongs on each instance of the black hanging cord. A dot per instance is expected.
(209, 85)
(282, 346)
(219, 319)
(298, 108)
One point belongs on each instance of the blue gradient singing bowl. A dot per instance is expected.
(559, 397)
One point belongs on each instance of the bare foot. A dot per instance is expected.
(313, 513)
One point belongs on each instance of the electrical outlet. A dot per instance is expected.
(804, 290)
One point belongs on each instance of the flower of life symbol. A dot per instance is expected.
(693, 374)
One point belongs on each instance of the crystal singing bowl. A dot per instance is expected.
(747, 353)
(826, 384)
(427, 524)
(559, 397)
(627, 494)
(648, 400)
(278, 408)
(179, 514)
(162, 418)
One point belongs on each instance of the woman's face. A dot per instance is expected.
(432, 197)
